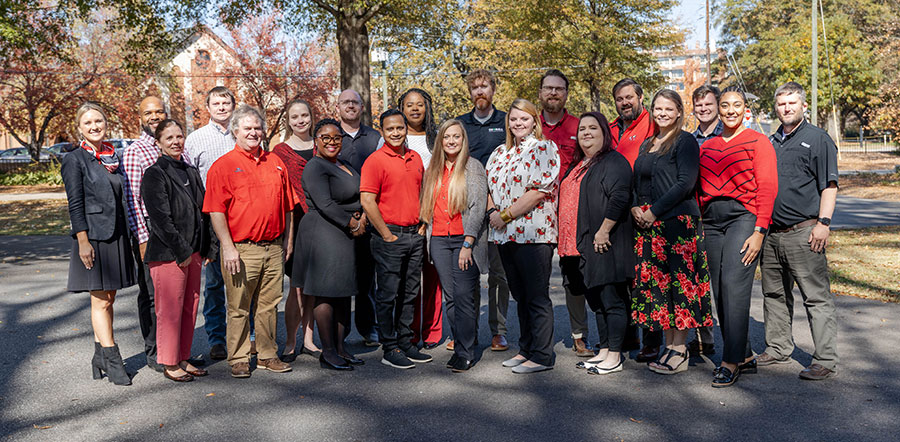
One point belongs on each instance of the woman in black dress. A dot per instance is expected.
(324, 266)
(101, 261)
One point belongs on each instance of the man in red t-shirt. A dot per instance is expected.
(250, 199)
(562, 128)
(390, 184)
(633, 125)
(629, 131)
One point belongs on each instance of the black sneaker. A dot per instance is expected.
(395, 358)
(461, 364)
(416, 356)
(452, 360)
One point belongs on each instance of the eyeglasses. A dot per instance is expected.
(558, 90)
(349, 102)
(327, 139)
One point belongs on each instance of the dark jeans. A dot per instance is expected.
(398, 271)
(145, 298)
(459, 288)
(365, 321)
(214, 304)
(528, 268)
(608, 301)
(727, 225)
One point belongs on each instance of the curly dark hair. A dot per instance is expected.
(430, 125)
(325, 122)
(735, 89)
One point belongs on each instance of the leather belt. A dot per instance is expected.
(800, 225)
(403, 229)
(259, 243)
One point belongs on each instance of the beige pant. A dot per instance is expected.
(260, 279)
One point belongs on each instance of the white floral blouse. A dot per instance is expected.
(534, 165)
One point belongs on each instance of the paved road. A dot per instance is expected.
(46, 392)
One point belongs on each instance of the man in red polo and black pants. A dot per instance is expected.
(628, 131)
(389, 187)
(250, 199)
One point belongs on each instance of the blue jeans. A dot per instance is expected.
(214, 304)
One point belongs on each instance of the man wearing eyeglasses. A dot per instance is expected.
(359, 142)
(557, 124)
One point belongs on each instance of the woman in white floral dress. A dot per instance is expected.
(523, 183)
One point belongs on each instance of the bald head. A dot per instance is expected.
(349, 107)
(152, 111)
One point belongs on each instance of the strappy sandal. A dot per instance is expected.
(669, 354)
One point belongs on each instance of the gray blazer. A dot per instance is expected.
(473, 218)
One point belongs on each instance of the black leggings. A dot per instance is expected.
(608, 301)
(333, 320)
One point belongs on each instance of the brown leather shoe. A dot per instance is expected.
(252, 347)
(498, 343)
(451, 345)
(581, 348)
(273, 364)
(218, 352)
(647, 354)
(240, 370)
(767, 359)
(816, 372)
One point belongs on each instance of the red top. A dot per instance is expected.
(295, 164)
(253, 193)
(629, 144)
(569, 192)
(743, 168)
(564, 134)
(395, 180)
(445, 224)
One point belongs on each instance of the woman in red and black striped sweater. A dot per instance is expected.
(738, 183)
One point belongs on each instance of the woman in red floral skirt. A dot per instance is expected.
(672, 278)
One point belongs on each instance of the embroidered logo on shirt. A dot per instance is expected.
(495, 129)
(238, 170)
(802, 143)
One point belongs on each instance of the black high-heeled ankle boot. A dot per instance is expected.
(115, 368)
(97, 367)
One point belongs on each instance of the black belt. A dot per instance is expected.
(800, 225)
(259, 243)
(403, 229)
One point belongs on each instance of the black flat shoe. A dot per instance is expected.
(330, 366)
(353, 360)
(289, 357)
(749, 367)
(313, 353)
(430, 345)
(724, 377)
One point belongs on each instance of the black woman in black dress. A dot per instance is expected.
(325, 265)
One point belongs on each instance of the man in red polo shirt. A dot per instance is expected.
(250, 199)
(634, 124)
(562, 128)
(389, 188)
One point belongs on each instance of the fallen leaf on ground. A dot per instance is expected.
(210, 394)
(42, 427)
(634, 420)
(160, 425)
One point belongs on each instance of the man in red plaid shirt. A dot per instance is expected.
(139, 156)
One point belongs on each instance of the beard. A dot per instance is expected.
(552, 106)
(793, 120)
(629, 114)
(147, 130)
(482, 103)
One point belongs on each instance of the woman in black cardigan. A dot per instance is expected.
(180, 234)
(603, 238)
(101, 262)
(672, 290)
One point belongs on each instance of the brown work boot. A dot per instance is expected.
(581, 348)
(240, 370)
(273, 364)
(498, 343)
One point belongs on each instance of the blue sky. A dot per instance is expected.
(691, 14)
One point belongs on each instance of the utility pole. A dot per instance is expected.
(814, 111)
(708, 71)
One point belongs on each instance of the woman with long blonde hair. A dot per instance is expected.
(454, 196)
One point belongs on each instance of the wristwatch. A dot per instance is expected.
(825, 221)
(467, 245)
(759, 229)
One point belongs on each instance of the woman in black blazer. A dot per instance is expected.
(101, 262)
(672, 288)
(603, 237)
(180, 234)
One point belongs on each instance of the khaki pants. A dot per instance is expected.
(260, 279)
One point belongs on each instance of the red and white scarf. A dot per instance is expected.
(107, 156)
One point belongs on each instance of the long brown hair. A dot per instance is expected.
(672, 136)
(456, 190)
(530, 109)
(288, 131)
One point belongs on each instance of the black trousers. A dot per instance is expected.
(528, 268)
(727, 224)
(609, 303)
(364, 318)
(459, 288)
(145, 303)
(398, 271)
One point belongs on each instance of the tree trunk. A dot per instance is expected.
(353, 49)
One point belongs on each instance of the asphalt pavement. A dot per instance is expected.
(47, 394)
